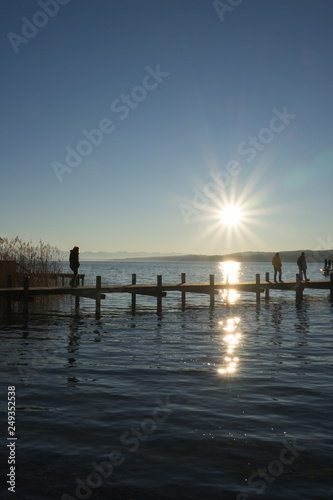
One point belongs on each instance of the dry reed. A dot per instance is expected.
(19, 259)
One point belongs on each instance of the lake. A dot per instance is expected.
(233, 402)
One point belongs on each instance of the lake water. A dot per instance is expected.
(230, 403)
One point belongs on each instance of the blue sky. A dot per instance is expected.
(199, 104)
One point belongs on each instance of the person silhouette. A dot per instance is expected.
(302, 266)
(74, 264)
(277, 264)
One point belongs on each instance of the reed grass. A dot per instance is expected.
(19, 259)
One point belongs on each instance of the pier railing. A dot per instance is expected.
(26, 293)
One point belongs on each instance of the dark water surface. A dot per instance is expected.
(230, 403)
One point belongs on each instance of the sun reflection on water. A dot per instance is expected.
(230, 274)
(231, 340)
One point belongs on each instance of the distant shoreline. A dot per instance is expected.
(288, 256)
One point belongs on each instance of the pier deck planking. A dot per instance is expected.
(160, 289)
(144, 289)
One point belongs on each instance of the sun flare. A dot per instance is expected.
(231, 215)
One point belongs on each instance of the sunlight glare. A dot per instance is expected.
(231, 215)
(230, 271)
(231, 340)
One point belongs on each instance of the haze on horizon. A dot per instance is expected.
(171, 126)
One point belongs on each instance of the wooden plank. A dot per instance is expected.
(299, 288)
(26, 294)
(98, 296)
(152, 294)
(77, 305)
(153, 290)
(160, 289)
(92, 295)
(183, 278)
(267, 288)
(197, 288)
(9, 302)
(133, 294)
(211, 290)
(159, 294)
(258, 288)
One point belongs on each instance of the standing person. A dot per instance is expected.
(325, 264)
(74, 264)
(277, 264)
(329, 263)
(302, 267)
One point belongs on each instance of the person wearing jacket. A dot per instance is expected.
(74, 264)
(277, 265)
(302, 267)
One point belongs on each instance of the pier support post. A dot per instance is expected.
(299, 288)
(9, 285)
(267, 289)
(212, 290)
(258, 288)
(159, 294)
(133, 294)
(25, 294)
(183, 293)
(77, 305)
(98, 296)
(331, 286)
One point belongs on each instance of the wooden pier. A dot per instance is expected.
(159, 290)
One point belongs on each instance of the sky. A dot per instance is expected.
(132, 125)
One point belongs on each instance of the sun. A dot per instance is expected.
(231, 215)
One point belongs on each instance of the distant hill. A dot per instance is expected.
(287, 256)
(123, 255)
